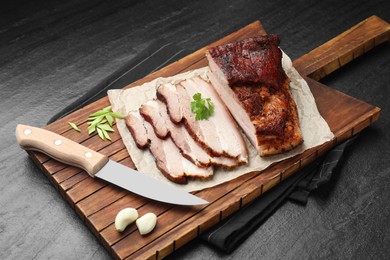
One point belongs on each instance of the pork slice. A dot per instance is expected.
(168, 157)
(173, 164)
(151, 113)
(134, 123)
(178, 102)
(168, 94)
(230, 136)
(231, 100)
(156, 111)
(225, 162)
(219, 131)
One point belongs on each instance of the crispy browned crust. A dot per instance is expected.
(274, 115)
(254, 71)
(291, 135)
(177, 179)
(251, 61)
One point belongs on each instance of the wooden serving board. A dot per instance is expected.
(97, 202)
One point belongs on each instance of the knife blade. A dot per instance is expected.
(100, 166)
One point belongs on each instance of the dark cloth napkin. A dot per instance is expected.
(234, 230)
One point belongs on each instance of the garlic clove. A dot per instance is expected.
(146, 223)
(124, 218)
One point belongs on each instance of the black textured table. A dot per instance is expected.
(52, 52)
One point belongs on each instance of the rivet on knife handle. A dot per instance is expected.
(60, 148)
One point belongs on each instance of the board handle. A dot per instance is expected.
(343, 48)
(60, 148)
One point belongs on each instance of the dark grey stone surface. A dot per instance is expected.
(52, 52)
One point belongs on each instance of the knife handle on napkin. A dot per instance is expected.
(60, 148)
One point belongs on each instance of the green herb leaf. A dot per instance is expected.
(74, 126)
(117, 115)
(110, 119)
(100, 133)
(91, 129)
(107, 109)
(197, 96)
(106, 128)
(106, 135)
(97, 122)
(202, 108)
(98, 113)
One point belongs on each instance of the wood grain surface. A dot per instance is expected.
(53, 52)
(96, 201)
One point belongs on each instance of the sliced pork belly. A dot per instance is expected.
(155, 112)
(230, 136)
(170, 162)
(218, 134)
(151, 112)
(168, 94)
(249, 77)
(168, 157)
(134, 121)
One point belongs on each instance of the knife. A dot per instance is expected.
(98, 165)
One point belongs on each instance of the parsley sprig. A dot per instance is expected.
(100, 122)
(203, 108)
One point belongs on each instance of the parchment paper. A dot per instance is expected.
(314, 128)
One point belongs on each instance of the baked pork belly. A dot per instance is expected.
(137, 129)
(168, 157)
(218, 135)
(249, 77)
(155, 112)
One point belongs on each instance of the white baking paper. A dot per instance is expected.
(314, 128)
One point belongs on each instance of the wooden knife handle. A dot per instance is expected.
(60, 148)
(343, 48)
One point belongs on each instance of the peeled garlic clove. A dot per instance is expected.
(146, 223)
(124, 218)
